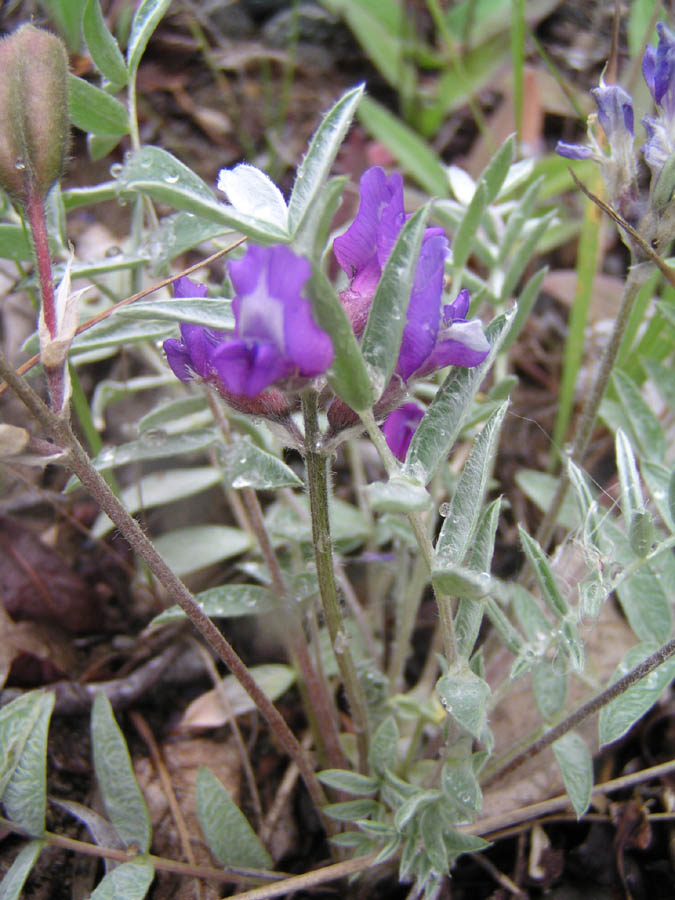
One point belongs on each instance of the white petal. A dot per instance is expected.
(469, 333)
(254, 194)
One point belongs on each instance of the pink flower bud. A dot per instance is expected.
(33, 112)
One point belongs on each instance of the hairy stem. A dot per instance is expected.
(80, 464)
(317, 481)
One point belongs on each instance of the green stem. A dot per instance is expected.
(80, 464)
(318, 702)
(317, 481)
(584, 428)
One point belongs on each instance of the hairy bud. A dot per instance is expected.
(33, 112)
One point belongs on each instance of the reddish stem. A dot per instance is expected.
(35, 211)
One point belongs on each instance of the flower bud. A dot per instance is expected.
(33, 112)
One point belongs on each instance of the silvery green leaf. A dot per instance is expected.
(457, 842)
(179, 232)
(494, 174)
(646, 431)
(460, 581)
(663, 377)
(460, 784)
(465, 697)
(315, 167)
(470, 614)
(384, 746)
(622, 713)
(226, 601)
(510, 637)
(75, 197)
(412, 807)
(549, 686)
(641, 533)
(274, 679)
(147, 18)
(252, 193)
(381, 340)
(349, 782)
(101, 830)
(398, 495)
(629, 480)
(544, 574)
(166, 414)
(14, 243)
(313, 241)
(524, 253)
(129, 881)
(347, 375)
(572, 645)
(122, 797)
(351, 810)
(245, 465)
(95, 111)
(431, 832)
(227, 831)
(188, 549)
(160, 175)
(211, 312)
(646, 604)
(14, 878)
(526, 300)
(154, 444)
(660, 481)
(24, 724)
(519, 216)
(465, 506)
(113, 333)
(443, 420)
(466, 232)
(576, 767)
(103, 47)
(159, 488)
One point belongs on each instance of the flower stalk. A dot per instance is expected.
(317, 481)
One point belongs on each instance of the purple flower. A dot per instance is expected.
(400, 426)
(275, 337)
(362, 252)
(658, 68)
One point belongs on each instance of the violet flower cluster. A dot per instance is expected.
(276, 347)
(619, 161)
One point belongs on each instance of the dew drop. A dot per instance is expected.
(171, 178)
(113, 251)
(154, 437)
(19, 165)
(116, 170)
(444, 509)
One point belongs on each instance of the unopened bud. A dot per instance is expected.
(33, 112)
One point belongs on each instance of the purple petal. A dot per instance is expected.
(199, 345)
(307, 346)
(615, 110)
(179, 359)
(458, 308)
(184, 287)
(357, 249)
(664, 70)
(421, 328)
(649, 68)
(400, 426)
(248, 368)
(573, 151)
(462, 344)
